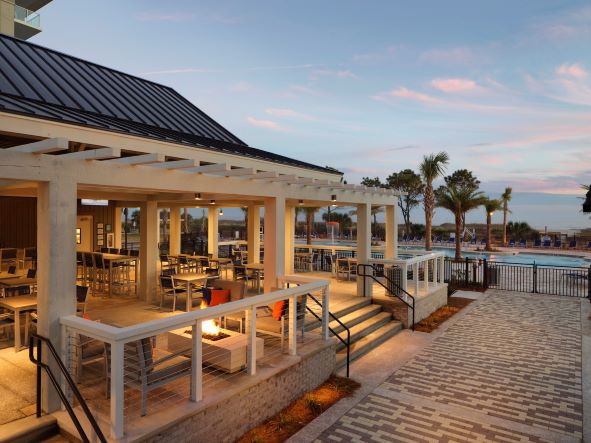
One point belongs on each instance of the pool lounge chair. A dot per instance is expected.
(523, 243)
(483, 242)
(473, 241)
(589, 245)
(572, 244)
(557, 244)
(537, 243)
(547, 244)
(512, 243)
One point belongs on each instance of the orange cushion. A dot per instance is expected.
(278, 309)
(219, 296)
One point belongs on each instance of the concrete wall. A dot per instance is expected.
(7, 17)
(425, 305)
(229, 419)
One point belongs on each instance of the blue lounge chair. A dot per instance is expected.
(572, 244)
(537, 243)
(558, 244)
(523, 243)
(512, 243)
(473, 241)
(404, 238)
(451, 240)
(589, 245)
(547, 244)
(483, 242)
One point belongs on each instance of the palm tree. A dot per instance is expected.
(505, 199)
(490, 205)
(458, 201)
(432, 167)
(310, 213)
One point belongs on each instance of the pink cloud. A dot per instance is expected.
(407, 94)
(266, 124)
(573, 70)
(451, 85)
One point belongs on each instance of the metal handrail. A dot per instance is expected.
(36, 341)
(364, 266)
(331, 315)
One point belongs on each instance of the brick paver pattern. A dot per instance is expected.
(509, 370)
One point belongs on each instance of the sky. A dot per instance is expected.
(369, 87)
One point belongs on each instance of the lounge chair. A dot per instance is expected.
(557, 244)
(537, 243)
(572, 244)
(473, 241)
(482, 242)
(523, 243)
(271, 322)
(512, 243)
(589, 245)
(547, 244)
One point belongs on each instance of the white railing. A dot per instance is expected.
(116, 338)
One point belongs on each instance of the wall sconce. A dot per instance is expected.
(301, 203)
(198, 196)
(221, 212)
(212, 202)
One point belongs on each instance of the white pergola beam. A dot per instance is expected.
(265, 175)
(285, 178)
(175, 164)
(210, 169)
(144, 159)
(238, 172)
(43, 146)
(94, 154)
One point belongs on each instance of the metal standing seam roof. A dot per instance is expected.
(50, 85)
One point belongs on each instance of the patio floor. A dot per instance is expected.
(510, 369)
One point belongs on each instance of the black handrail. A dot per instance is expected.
(346, 343)
(364, 274)
(36, 341)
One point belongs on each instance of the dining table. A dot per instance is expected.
(4, 275)
(16, 282)
(257, 269)
(120, 260)
(190, 279)
(18, 304)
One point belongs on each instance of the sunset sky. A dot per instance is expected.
(367, 87)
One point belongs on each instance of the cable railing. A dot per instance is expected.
(36, 343)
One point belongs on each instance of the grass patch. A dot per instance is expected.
(454, 305)
(301, 412)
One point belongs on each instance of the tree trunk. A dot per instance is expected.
(505, 225)
(309, 224)
(458, 218)
(428, 202)
(186, 220)
(488, 232)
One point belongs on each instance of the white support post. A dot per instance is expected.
(391, 233)
(197, 362)
(56, 275)
(364, 285)
(435, 271)
(404, 278)
(212, 231)
(325, 311)
(274, 241)
(293, 329)
(415, 278)
(117, 226)
(442, 269)
(149, 228)
(254, 234)
(251, 347)
(174, 245)
(117, 390)
(289, 239)
(426, 275)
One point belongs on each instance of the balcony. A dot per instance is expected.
(27, 23)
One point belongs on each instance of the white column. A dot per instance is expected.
(364, 246)
(274, 240)
(404, 279)
(149, 228)
(415, 278)
(289, 239)
(441, 269)
(254, 234)
(391, 232)
(212, 231)
(175, 231)
(117, 390)
(435, 271)
(117, 226)
(56, 264)
(426, 275)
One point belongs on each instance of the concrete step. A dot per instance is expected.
(338, 308)
(352, 318)
(29, 429)
(369, 342)
(365, 328)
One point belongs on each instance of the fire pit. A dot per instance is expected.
(211, 337)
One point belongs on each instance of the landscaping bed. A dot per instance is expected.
(454, 305)
(301, 412)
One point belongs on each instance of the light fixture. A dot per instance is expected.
(587, 203)
(198, 196)
(212, 202)
(491, 213)
(221, 212)
(301, 203)
(333, 198)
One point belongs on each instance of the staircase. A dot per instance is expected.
(29, 429)
(368, 324)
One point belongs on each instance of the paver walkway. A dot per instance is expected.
(508, 370)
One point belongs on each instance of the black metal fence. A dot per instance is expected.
(483, 274)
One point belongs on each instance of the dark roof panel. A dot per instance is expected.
(50, 85)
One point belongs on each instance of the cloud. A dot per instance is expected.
(180, 71)
(289, 113)
(574, 70)
(572, 24)
(451, 85)
(266, 124)
(452, 56)
(407, 94)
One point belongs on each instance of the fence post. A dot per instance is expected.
(535, 278)
(117, 389)
(293, 329)
(485, 274)
(251, 347)
(589, 283)
(325, 311)
(467, 272)
(197, 362)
